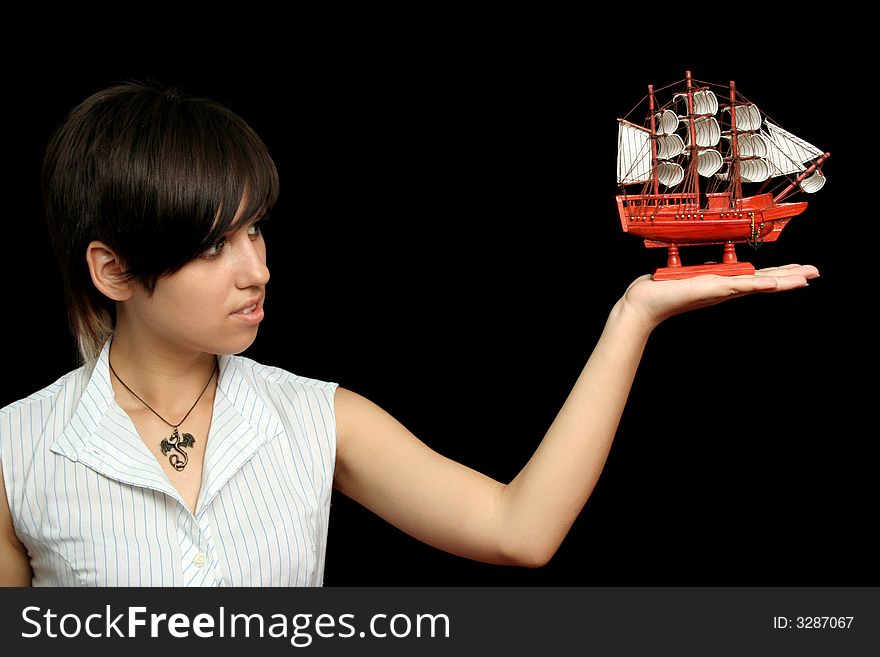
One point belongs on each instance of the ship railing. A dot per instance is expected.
(659, 200)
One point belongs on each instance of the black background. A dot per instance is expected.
(447, 244)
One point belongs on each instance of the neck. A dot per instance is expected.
(169, 379)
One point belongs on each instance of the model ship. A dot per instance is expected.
(692, 158)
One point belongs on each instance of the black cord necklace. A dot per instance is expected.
(175, 441)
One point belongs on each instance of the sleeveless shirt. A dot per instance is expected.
(93, 506)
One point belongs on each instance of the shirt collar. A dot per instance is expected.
(242, 422)
(101, 435)
(94, 402)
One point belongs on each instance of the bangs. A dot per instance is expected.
(240, 185)
(182, 173)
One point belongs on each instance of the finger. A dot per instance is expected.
(713, 286)
(807, 271)
(778, 269)
(787, 279)
(784, 283)
(778, 280)
(749, 284)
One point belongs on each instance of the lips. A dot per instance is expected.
(249, 307)
(249, 314)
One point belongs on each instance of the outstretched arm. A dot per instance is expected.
(383, 466)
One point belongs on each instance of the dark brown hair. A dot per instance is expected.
(158, 176)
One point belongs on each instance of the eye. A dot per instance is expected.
(214, 250)
(254, 229)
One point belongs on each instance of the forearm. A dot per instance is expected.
(539, 506)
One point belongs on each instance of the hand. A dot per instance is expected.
(655, 301)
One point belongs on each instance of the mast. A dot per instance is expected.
(653, 140)
(736, 191)
(692, 165)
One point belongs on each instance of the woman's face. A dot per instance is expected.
(214, 304)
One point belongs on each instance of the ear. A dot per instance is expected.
(107, 272)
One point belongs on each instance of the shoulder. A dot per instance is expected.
(275, 401)
(244, 381)
(268, 376)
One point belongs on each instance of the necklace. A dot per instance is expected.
(175, 442)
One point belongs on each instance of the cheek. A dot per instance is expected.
(190, 296)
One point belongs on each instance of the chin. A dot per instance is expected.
(231, 347)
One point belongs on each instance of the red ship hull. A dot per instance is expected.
(672, 220)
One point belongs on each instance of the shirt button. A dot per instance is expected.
(200, 559)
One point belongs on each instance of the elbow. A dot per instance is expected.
(533, 561)
(531, 554)
(536, 558)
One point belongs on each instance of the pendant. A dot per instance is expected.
(175, 443)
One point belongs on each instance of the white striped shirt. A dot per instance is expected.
(94, 507)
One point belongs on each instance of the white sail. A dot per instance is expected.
(633, 153)
(705, 102)
(752, 145)
(668, 146)
(748, 117)
(708, 132)
(708, 162)
(666, 122)
(813, 183)
(754, 171)
(670, 173)
(786, 152)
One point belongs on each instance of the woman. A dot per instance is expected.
(166, 460)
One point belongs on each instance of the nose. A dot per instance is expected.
(251, 270)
